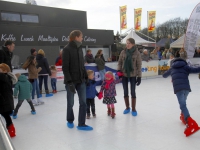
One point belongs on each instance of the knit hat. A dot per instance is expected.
(32, 50)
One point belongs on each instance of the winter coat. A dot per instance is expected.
(100, 63)
(111, 91)
(145, 57)
(73, 64)
(23, 88)
(180, 71)
(33, 71)
(43, 63)
(88, 59)
(6, 56)
(6, 93)
(91, 91)
(136, 63)
(58, 61)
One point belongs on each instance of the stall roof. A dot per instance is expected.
(163, 41)
(179, 42)
(138, 39)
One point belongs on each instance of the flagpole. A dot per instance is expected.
(120, 20)
(147, 25)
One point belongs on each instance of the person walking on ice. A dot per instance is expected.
(179, 72)
(23, 89)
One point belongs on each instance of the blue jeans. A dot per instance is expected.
(53, 83)
(35, 88)
(182, 97)
(81, 90)
(125, 86)
(102, 74)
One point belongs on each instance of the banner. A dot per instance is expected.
(193, 32)
(151, 19)
(123, 18)
(137, 19)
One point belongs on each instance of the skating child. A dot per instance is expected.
(53, 78)
(7, 79)
(23, 89)
(91, 92)
(108, 87)
(179, 72)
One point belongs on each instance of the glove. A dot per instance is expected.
(120, 74)
(71, 87)
(138, 81)
(100, 95)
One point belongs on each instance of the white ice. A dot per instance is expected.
(157, 126)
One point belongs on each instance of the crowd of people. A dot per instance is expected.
(81, 81)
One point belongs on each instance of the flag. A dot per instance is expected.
(151, 19)
(137, 19)
(123, 17)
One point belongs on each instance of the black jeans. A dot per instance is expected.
(81, 90)
(45, 78)
(19, 105)
(7, 117)
(90, 102)
(132, 86)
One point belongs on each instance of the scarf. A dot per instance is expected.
(78, 43)
(108, 82)
(90, 56)
(128, 64)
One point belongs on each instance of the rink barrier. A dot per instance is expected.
(150, 70)
(5, 137)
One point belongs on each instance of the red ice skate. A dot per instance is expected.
(11, 130)
(113, 113)
(182, 118)
(191, 127)
(109, 111)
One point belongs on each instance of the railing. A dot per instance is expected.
(5, 137)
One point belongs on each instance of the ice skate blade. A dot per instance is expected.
(195, 130)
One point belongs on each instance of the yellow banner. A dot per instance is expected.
(137, 18)
(123, 17)
(151, 20)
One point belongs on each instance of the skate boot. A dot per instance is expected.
(113, 113)
(182, 119)
(48, 94)
(11, 130)
(191, 127)
(127, 110)
(35, 103)
(109, 111)
(94, 115)
(40, 102)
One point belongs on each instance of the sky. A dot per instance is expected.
(104, 14)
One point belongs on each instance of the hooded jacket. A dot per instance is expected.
(43, 63)
(23, 88)
(91, 91)
(6, 56)
(180, 71)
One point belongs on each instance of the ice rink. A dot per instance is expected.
(157, 126)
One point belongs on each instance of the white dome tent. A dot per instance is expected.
(138, 39)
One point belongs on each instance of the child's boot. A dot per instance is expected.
(11, 130)
(94, 115)
(109, 111)
(191, 127)
(88, 116)
(127, 110)
(182, 118)
(40, 101)
(48, 94)
(35, 103)
(113, 113)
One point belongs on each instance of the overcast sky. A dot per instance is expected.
(104, 14)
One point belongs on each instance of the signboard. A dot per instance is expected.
(149, 68)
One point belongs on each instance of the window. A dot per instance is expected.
(30, 18)
(5, 16)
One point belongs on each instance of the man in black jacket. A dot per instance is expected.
(75, 77)
(6, 53)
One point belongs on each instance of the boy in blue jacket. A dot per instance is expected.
(179, 72)
(91, 92)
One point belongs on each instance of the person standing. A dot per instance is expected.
(59, 59)
(75, 76)
(33, 52)
(6, 53)
(130, 63)
(43, 74)
(89, 57)
(101, 66)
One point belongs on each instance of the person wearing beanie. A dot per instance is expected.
(23, 89)
(33, 52)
